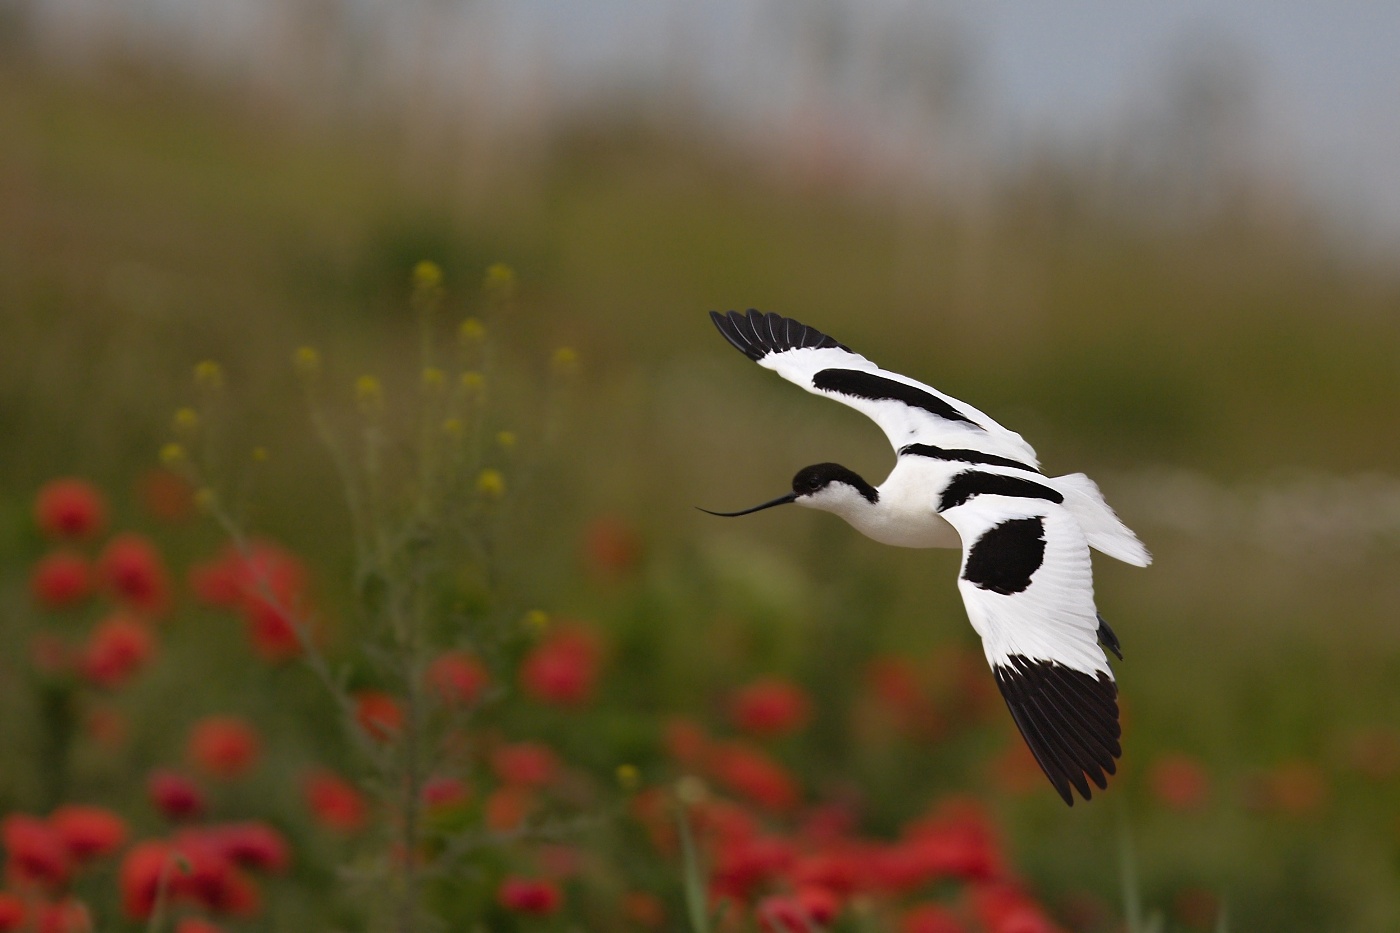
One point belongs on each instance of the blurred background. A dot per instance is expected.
(1163, 244)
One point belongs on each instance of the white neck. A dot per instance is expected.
(892, 519)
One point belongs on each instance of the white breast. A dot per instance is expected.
(905, 513)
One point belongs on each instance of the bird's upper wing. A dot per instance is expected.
(909, 412)
(1026, 581)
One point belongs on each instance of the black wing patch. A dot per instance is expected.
(972, 483)
(1068, 718)
(858, 383)
(1006, 556)
(960, 455)
(756, 334)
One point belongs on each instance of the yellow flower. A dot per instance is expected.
(506, 439)
(172, 455)
(564, 362)
(500, 283)
(471, 332)
(491, 483)
(206, 499)
(433, 379)
(427, 275)
(628, 777)
(307, 363)
(473, 381)
(452, 427)
(209, 375)
(186, 421)
(537, 620)
(370, 395)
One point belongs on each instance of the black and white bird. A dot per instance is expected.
(963, 481)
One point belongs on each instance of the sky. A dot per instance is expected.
(1325, 76)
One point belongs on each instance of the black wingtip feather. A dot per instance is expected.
(1108, 639)
(1069, 720)
(756, 335)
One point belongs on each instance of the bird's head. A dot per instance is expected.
(826, 486)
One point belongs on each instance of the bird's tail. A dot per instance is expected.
(1102, 527)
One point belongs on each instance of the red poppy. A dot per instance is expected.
(69, 915)
(267, 585)
(177, 797)
(224, 746)
(840, 870)
(252, 845)
(611, 547)
(818, 904)
(750, 773)
(1003, 908)
(897, 687)
(770, 707)
(118, 647)
(132, 571)
(88, 832)
(107, 726)
(955, 841)
(506, 808)
(1373, 752)
(827, 823)
(457, 677)
(525, 764)
(780, 913)
(196, 925)
(1294, 788)
(60, 579)
(563, 668)
(379, 714)
(70, 509)
(808, 910)
(218, 582)
(166, 496)
(686, 741)
(930, 918)
(273, 601)
(1179, 782)
(36, 853)
(335, 802)
(644, 909)
(444, 793)
(535, 896)
(208, 876)
(13, 913)
(1014, 770)
(145, 869)
(743, 864)
(1197, 908)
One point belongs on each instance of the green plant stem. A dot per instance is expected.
(696, 908)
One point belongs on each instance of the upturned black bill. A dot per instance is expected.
(781, 500)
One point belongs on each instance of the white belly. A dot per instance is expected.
(907, 528)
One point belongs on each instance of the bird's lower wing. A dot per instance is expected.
(909, 412)
(1027, 583)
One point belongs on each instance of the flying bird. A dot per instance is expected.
(963, 481)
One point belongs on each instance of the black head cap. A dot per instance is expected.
(815, 478)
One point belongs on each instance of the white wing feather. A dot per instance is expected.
(1053, 618)
(1035, 613)
(800, 353)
